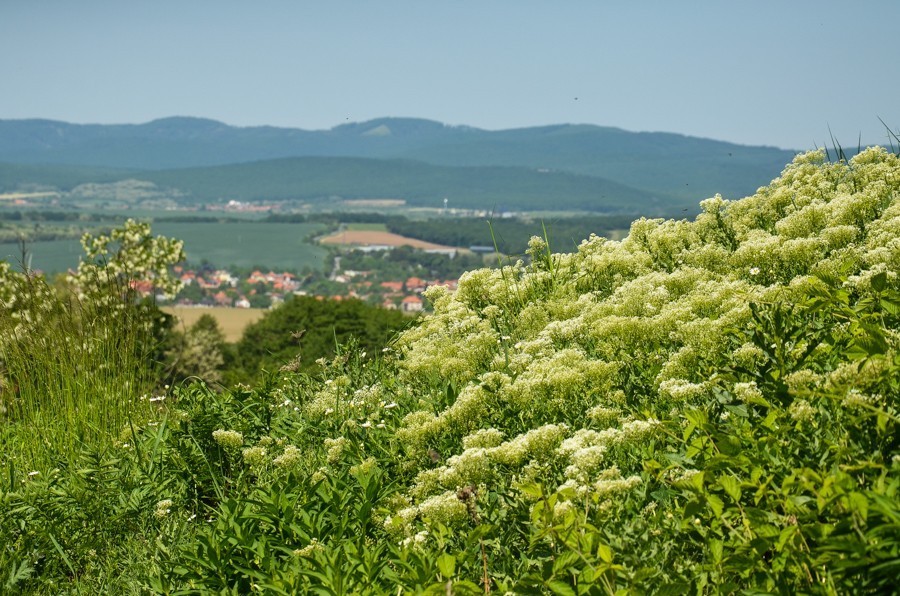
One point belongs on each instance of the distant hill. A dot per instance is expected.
(326, 178)
(17, 176)
(666, 164)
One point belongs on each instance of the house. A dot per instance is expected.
(414, 284)
(412, 304)
(394, 286)
(142, 286)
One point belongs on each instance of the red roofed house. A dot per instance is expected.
(412, 304)
(414, 284)
(396, 286)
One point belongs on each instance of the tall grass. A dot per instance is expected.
(73, 372)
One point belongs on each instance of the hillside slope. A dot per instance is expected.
(417, 183)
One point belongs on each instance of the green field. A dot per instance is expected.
(275, 245)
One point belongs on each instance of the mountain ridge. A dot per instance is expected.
(659, 163)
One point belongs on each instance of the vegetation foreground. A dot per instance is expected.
(707, 406)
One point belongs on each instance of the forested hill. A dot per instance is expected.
(659, 163)
(419, 184)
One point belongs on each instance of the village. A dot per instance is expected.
(208, 287)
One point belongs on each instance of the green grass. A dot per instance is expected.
(75, 369)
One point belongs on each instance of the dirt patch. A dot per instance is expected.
(376, 238)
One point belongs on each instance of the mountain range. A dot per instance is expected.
(601, 168)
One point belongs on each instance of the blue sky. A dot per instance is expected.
(763, 72)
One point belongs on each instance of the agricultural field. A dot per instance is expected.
(243, 244)
(357, 237)
(278, 246)
(232, 321)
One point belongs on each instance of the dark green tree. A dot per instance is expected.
(309, 328)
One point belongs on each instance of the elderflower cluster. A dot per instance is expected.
(445, 508)
(748, 392)
(163, 508)
(335, 449)
(310, 549)
(478, 465)
(289, 459)
(801, 411)
(230, 439)
(254, 456)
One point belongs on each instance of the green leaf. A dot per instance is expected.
(17, 574)
(859, 504)
(564, 561)
(446, 564)
(697, 481)
(872, 344)
(879, 282)
(716, 504)
(532, 490)
(605, 553)
(560, 587)
(731, 486)
(716, 549)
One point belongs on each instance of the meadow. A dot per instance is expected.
(709, 405)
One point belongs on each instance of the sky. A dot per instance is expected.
(780, 73)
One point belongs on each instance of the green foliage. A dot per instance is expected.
(403, 262)
(197, 353)
(510, 235)
(304, 329)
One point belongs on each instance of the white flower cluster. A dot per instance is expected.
(289, 459)
(310, 549)
(163, 508)
(561, 339)
(254, 456)
(478, 464)
(230, 439)
(335, 448)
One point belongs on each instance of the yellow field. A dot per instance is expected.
(233, 321)
(374, 237)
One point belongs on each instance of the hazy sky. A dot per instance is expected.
(754, 72)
